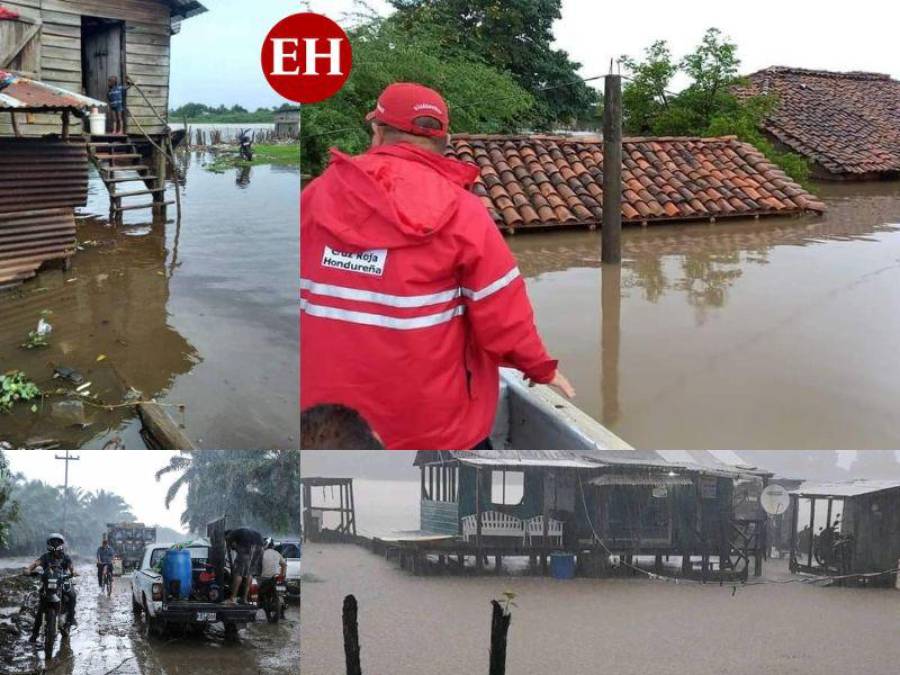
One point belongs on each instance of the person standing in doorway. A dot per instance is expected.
(116, 99)
(410, 298)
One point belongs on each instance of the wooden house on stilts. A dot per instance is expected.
(76, 46)
(698, 510)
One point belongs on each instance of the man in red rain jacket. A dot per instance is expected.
(409, 298)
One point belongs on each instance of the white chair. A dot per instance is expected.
(493, 524)
(534, 527)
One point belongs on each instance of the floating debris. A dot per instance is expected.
(69, 374)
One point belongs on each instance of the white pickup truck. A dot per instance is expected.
(160, 612)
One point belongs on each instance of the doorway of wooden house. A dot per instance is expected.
(102, 55)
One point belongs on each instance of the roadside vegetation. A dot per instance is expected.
(707, 106)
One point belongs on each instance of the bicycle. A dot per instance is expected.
(107, 579)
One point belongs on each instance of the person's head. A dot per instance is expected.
(269, 542)
(56, 544)
(410, 113)
(336, 427)
(104, 542)
(113, 80)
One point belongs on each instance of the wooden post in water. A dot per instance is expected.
(611, 249)
(479, 562)
(351, 636)
(499, 629)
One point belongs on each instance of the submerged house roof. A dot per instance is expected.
(846, 488)
(847, 123)
(546, 181)
(713, 462)
(21, 94)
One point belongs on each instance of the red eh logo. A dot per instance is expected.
(306, 57)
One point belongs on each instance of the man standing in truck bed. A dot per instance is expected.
(410, 298)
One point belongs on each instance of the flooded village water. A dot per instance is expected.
(753, 334)
(197, 314)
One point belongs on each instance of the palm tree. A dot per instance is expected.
(9, 508)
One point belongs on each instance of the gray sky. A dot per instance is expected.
(831, 36)
(128, 473)
(216, 56)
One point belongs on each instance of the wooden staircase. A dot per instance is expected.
(118, 163)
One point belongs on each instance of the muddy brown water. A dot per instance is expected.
(774, 333)
(202, 315)
(441, 624)
(110, 639)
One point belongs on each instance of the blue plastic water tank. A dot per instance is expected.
(562, 565)
(176, 571)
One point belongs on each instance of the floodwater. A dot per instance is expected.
(774, 333)
(228, 130)
(629, 625)
(110, 639)
(202, 315)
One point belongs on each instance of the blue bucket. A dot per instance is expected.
(562, 565)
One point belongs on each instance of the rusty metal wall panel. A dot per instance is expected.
(41, 183)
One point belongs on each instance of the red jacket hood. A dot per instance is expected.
(391, 196)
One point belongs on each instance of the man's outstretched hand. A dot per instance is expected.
(561, 384)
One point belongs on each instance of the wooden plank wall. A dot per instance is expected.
(147, 38)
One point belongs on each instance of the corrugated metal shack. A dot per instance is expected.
(847, 527)
(42, 180)
(287, 123)
(700, 505)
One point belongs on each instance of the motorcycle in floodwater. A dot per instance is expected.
(56, 588)
(245, 141)
(272, 592)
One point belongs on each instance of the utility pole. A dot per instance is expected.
(611, 249)
(67, 458)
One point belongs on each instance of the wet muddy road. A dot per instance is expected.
(202, 315)
(774, 333)
(110, 639)
(590, 625)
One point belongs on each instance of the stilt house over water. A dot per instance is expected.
(701, 506)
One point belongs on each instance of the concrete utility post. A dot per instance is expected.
(67, 458)
(611, 250)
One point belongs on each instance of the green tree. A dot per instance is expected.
(252, 488)
(707, 106)
(481, 99)
(9, 508)
(512, 36)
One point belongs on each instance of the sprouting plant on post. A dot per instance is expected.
(508, 597)
(15, 387)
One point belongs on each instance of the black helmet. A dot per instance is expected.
(56, 543)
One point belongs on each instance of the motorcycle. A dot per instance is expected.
(206, 589)
(272, 594)
(56, 586)
(245, 140)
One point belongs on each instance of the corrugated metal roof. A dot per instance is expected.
(185, 8)
(845, 488)
(22, 93)
(704, 461)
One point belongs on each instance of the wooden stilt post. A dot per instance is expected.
(611, 250)
(499, 631)
(479, 558)
(65, 125)
(351, 636)
(812, 531)
(610, 321)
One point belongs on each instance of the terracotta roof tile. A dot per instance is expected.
(545, 181)
(848, 123)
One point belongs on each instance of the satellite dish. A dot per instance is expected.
(774, 500)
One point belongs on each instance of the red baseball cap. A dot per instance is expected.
(402, 102)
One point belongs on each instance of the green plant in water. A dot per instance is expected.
(15, 387)
(35, 340)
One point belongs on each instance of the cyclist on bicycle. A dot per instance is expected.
(105, 555)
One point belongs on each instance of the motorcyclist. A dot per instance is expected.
(105, 555)
(55, 557)
(273, 563)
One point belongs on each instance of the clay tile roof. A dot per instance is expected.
(848, 123)
(664, 179)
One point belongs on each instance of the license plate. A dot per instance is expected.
(51, 583)
(206, 616)
(281, 588)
